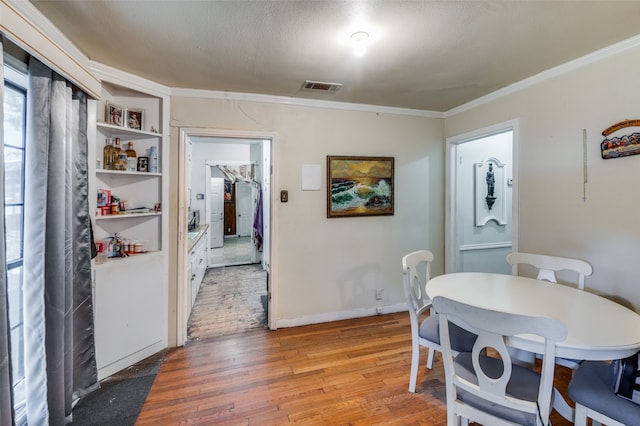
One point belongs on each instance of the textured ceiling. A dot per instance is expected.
(427, 55)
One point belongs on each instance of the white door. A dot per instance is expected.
(480, 218)
(244, 209)
(216, 221)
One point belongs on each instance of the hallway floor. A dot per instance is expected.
(235, 251)
(231, 300)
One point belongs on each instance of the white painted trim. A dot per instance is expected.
(565, 68)
(131, 359)
(26, 26)
(313, 103)
(340, 315)
(450, 234)
(116, 76)
(486, 246)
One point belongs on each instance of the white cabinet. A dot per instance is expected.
(131, 292)
(129, 312)
(197, 266)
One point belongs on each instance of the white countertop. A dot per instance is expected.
(200, 231)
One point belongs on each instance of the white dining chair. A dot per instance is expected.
(424, 332)
(547, 267)
(484, 385)
(592, 391)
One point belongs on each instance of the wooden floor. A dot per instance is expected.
(353, 372)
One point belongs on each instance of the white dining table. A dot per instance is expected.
(597, 328)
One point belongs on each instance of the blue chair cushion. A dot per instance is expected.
(591, 386)
(461, 340)
(523, 384)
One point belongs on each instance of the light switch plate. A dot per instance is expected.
(284, 196)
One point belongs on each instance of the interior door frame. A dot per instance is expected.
(270, 225)
(451, 207)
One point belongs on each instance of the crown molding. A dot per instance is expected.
(549, 74)
(314, 103)
(25, 25)
(116, 76)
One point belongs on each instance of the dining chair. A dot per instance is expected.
(547, 267)
(592, 391)
(416, 270)
(484, 385)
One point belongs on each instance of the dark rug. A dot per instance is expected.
(120, 397)
(115, 403)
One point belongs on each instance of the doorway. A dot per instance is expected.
(481, 224)
(233, 209)
(195, 190)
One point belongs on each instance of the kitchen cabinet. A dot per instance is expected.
(197, 262)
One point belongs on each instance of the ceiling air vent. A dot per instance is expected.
(321, 85)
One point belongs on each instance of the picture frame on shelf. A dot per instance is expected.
(134, 118)
(359, 186)
(114, 114)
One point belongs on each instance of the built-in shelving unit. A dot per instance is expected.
(130, 292)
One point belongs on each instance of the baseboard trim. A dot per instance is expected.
(338, 316)
(122, 363)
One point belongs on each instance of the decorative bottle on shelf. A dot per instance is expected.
(153, 160)
(121, 157)
(107, 156)
(132, 158)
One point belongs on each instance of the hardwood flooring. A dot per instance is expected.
(353, 372)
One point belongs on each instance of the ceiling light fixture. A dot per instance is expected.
(359, 42)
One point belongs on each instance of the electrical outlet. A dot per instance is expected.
(379, 294)
(379, 310)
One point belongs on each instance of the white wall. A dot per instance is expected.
(323, 268)
(553, 218)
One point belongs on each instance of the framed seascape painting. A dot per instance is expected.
(359, 186)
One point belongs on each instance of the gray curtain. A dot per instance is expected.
(6, 382)
(58, 311)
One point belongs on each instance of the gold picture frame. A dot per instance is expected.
(359, 186)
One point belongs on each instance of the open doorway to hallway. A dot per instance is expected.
(238, 227)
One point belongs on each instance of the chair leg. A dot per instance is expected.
(430, 355)
(452, 418)
(562, 407)
(581, 415)
(415, 360)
